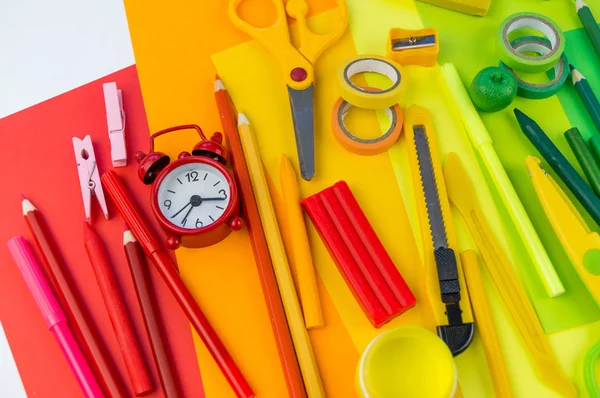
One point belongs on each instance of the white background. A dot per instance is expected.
(50, 47)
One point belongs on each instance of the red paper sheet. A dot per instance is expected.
(39, 163)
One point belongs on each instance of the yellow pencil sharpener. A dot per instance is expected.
(407, 362)
(413, 47)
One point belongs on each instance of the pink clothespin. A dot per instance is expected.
(89, 176)
(115, 118)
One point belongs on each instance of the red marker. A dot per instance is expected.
(117, 312)
(157, 253)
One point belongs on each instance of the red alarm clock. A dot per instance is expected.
(194, 198)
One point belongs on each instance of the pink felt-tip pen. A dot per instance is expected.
(53, 315)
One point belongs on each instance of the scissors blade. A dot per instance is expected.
(301, 102)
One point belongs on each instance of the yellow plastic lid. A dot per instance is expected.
(407, 362)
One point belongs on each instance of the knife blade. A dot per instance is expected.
(432, 196)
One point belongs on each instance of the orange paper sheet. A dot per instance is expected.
(172, 45)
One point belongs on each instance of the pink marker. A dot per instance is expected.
(53, 315)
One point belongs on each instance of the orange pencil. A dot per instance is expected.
(283, 339)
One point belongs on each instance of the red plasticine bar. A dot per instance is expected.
(360, 257)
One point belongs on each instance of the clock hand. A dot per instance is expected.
(182, 209)
(186, 215)
(212, 199)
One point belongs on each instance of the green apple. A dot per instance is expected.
(493, 89)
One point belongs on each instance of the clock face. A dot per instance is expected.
(193, 195)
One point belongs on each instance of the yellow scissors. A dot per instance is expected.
(297, 64)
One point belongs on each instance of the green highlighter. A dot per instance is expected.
(585, 158)
(560, 165)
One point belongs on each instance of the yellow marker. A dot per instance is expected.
(462, 194)
(300, 256)
(485, 324)
(302, 345)
(471, 7)
(581, 245)
(295, 240)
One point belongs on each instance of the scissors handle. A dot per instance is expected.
(298, 71)
(313, 44)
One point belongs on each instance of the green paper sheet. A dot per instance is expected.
(479, 49)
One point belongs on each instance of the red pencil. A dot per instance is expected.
(70, 301)
(143, 288)
(117, 312)
(157, 253)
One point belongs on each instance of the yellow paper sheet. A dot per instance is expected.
(258, 90)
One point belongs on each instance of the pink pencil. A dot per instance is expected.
(53, 315)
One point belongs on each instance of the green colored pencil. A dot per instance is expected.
(589, 24)
(569, 176)
(587, 95)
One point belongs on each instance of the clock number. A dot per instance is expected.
(224, 193)
(199, 222)
(192, 176)
(167, 204)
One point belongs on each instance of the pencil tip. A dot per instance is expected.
(26, 205)
(219, 86)
(242, 119)
(571, 67)
(128, 237)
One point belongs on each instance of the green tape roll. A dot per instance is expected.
(558, 75)
(526, 63)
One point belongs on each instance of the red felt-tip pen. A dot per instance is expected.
(157, 253)
(115, 306)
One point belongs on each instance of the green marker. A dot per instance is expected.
(589, 24)
(587, 95)
(560, 165)
(584, 156)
